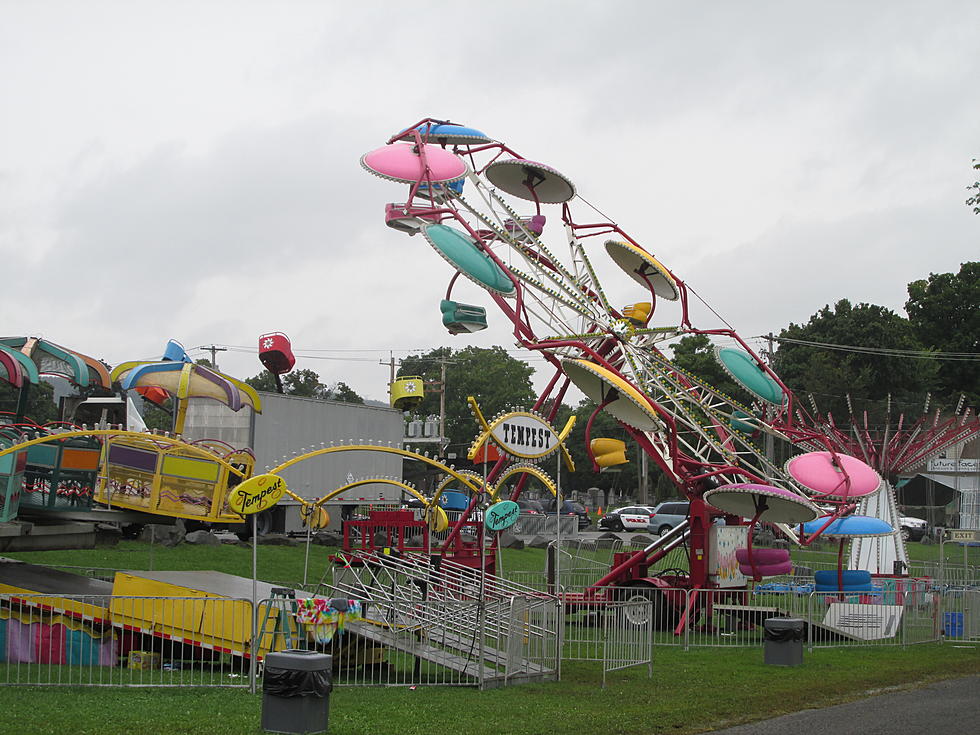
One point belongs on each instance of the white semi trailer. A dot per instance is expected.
(288, 426)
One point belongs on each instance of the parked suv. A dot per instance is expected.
(667, 515)
(569, 507)
(912, 529)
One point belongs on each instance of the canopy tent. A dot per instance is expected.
(932, 490)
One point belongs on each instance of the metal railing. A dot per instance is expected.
(445, 643)
(628, 637)
(442, 639)
(97, 640)
(439, 603)
(542, 524)
(89, 640)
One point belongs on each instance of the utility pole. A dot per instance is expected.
(644, 478)
(391, 367)
(771, 354)
(442, 405)
(214, 349)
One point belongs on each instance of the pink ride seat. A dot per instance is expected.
(768, 562)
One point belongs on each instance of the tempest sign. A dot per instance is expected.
(256, 494)
(524, 435)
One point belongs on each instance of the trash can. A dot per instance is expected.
(296, 691)
(953, 624)
(783, 641)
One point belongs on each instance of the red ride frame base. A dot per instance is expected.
(401, 532)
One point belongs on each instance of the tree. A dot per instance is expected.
(497, 380)
(344, 394)
(695, 354)
(974, 200)
(41, 407)
(944, 311)
(304, 384)
(622, 478)
(832, 373)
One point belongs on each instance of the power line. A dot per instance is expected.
(526, 355)
(883, 351)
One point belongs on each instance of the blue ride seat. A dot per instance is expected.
(454, 500)
(854, 580)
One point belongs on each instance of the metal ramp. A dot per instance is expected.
(484, 627)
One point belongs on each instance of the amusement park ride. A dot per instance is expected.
(544, 259)
(514, 227)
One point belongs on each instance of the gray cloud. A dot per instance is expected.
(199, 180)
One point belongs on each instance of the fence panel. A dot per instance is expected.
(97, 640)
(959, 620)
(628, 633)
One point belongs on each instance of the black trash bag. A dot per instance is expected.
(292, 683)
(784, 635)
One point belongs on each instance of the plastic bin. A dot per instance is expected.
(783, 641)
(953, 624)
(296, 689)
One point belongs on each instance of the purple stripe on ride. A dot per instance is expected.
(137, 459)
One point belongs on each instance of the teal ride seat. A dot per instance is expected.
(462, 318)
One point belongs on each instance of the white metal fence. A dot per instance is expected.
(628, 636)
(124, 641)
(209, 642)
(438, 623)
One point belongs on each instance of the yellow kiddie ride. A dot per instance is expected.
(164, 475)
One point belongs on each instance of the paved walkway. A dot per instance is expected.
(949, 707)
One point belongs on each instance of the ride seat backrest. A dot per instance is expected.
(777, 569)
(762, 556)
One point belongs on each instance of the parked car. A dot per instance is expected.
(533, 507)
(570, 507)
(912, 529)
(631, 518)
(667, 515)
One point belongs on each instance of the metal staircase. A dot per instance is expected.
(485, 628)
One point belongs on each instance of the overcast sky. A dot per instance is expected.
(189, 170)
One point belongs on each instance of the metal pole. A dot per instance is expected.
(306, 561)
(442, 407)
(644, 498)
(942, 559)
(253, 664)
(255, 560)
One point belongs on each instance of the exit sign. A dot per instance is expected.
(962, 534)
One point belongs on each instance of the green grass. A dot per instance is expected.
(286, 564)
(275, 563)
(690, 692)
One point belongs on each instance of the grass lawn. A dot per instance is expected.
(691, 691)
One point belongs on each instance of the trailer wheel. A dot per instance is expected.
(131, 531)
(636, 603)
(642, 601)
(263, 524)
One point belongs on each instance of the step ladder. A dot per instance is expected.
(281, 608)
